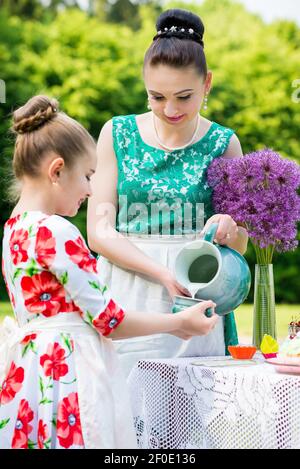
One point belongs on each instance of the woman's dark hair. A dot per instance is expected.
(178, 42)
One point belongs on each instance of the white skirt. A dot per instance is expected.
(137, 292)
(103, 399)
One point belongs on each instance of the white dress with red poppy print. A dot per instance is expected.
(61, 385)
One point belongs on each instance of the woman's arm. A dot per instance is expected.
(103, 237)
(240, 243)
(234, 149)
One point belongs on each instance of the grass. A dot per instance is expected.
(243, 315)
(5, 309)
(284, 315)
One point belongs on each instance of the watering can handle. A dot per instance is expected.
(208, 313)
(210, 234)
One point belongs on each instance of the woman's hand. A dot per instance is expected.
(227, 231)
(194, 321)
(174, 288)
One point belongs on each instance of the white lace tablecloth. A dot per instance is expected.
(179, 405)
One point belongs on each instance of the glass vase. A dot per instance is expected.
(264, 318)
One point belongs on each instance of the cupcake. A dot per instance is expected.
(294, 328)
(290, 349)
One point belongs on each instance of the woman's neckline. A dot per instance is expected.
(208, 132)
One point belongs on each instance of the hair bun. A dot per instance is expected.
(35, 113)
(185, 22)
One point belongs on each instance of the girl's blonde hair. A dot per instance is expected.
(41, 128)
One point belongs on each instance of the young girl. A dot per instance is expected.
(152, 173)
(61, 385)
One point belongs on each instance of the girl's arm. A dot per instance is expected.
(68, 267)
(185, 324)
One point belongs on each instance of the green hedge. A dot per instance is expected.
(94, 68)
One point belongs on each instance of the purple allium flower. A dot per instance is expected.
(220, 174)
(259, 190)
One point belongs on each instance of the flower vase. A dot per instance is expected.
(264, 318)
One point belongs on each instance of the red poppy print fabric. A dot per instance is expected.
(54, 362)
(18, 245)
(12, 384)
(51, 274)
(80, 255)
(22, 426)
(42, 293)
(68, 421)
(45, 247)
(109, 319)
(52, 271)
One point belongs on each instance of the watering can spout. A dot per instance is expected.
(195, 287)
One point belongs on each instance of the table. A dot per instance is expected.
(180, 405)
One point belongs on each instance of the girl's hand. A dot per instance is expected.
(174, 288)
(194, 321)
(227, 231)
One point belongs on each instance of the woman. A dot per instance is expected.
(150, 189)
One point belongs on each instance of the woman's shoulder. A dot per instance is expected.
(132, 119)
(233, 146)
(223, 128)
(121, 129)
(122, 119)
(118, 124)
(117, 121)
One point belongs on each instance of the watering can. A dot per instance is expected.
(212, 272)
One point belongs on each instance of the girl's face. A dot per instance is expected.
(73, 185)
(175, 95)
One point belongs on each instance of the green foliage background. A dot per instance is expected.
(92, 62)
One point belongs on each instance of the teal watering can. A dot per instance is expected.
(212, 272)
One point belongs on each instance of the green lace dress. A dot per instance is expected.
(164, 200)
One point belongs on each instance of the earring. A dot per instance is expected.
(148, 105)
(205, 102)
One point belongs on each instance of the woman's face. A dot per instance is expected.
(175, 95)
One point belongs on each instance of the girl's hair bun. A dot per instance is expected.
(34, 114)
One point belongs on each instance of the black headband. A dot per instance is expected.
(181, 33)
